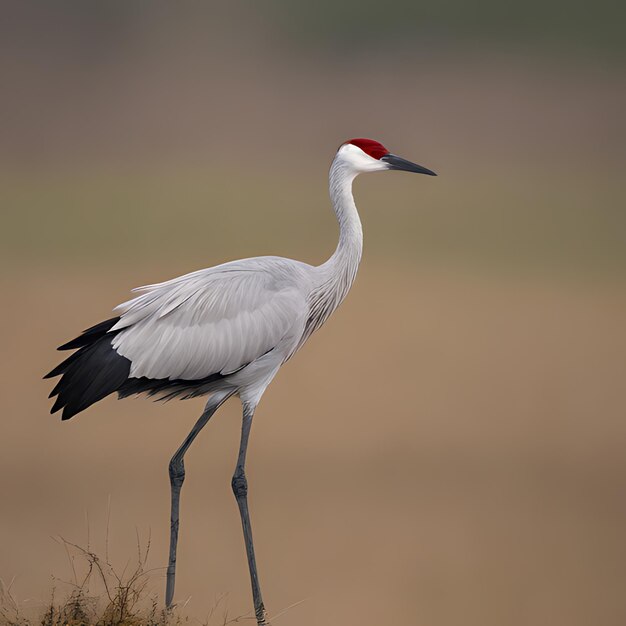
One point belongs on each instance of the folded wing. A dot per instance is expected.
(208, 322)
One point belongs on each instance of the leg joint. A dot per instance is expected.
(239, 484)
(177, 471)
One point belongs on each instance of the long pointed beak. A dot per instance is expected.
(398, 163)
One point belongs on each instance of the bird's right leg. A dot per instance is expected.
(240, 489)
(177, 476)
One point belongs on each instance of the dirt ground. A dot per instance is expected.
(448, 450)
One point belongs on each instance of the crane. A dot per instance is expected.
(221, 332)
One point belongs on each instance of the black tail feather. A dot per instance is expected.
(90, 374)
(90, 334)
(62, 367)
(167, 388)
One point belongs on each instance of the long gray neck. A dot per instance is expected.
(343, 264)
(338, 273)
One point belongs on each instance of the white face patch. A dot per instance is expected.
(358, 160)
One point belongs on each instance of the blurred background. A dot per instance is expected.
(450, 447)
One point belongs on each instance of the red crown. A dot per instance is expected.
(369, 146)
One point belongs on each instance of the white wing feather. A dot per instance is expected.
(215, 320)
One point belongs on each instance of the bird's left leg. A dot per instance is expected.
(240, 489)
(177, 476)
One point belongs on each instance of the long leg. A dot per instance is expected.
(240, 489)
(177, 476)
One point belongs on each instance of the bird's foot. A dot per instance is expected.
(261, 616)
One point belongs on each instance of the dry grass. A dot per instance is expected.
(99, 594)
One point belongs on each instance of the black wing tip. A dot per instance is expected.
(57, 371)
(91, 334)
(57, 406)
(69, 414)
(71, 345)
(91, 373)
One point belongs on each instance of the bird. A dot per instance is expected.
(220, 332)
